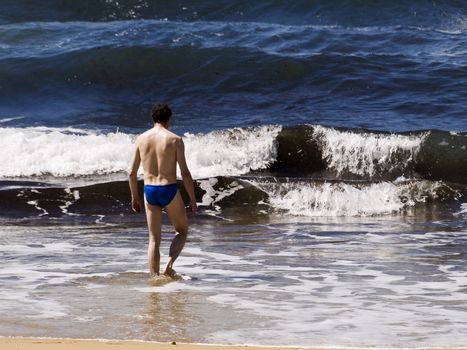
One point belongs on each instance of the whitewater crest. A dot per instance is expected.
(231, 152)
(317, 199)
(70, 152)
(367, 154)
(62, 152)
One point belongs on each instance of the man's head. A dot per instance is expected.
(161, 113)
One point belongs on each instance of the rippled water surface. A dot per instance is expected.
(373, 282)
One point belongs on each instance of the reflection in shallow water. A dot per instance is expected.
(167, 316)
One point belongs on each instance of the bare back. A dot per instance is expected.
(158, 151)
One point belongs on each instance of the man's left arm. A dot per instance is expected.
(133, 179)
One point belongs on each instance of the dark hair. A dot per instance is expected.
(161, 113)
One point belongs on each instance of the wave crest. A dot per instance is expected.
(367, 154)
(41, 151)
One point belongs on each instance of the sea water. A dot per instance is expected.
(329, 150)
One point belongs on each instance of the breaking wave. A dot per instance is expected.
(301, 151)
(306, 170)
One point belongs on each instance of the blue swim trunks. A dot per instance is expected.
(160, 195)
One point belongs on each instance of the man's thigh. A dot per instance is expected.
(154, 219)
(177, 213)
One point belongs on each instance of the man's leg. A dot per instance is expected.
(154, 218)
(177, 215)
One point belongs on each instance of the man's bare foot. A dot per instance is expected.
(169, 272)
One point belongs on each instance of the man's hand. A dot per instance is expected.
(193, 207)
(135, 206)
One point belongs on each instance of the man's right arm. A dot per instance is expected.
(133, 179)
(186, 175)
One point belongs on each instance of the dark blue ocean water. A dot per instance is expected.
(382, 65)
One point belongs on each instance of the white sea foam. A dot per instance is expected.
(48, 308)
(231, 152)
(62, 152)
(212, 196)
(6, 120)
(366, 153)
(35, 204)
(462, 211)
(342, 199)
(65, 152)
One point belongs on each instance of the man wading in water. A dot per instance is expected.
(159, 151)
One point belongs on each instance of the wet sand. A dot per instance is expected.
(72, 344)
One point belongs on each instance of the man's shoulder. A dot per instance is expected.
(143, 138)
(148, 135)
(143, 135)
(173, 136)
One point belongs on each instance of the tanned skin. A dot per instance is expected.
(159, 151)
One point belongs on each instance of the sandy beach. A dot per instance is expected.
(71, 344)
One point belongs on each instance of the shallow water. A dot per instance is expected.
(394, 281)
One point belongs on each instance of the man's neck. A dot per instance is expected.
(161, 125)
